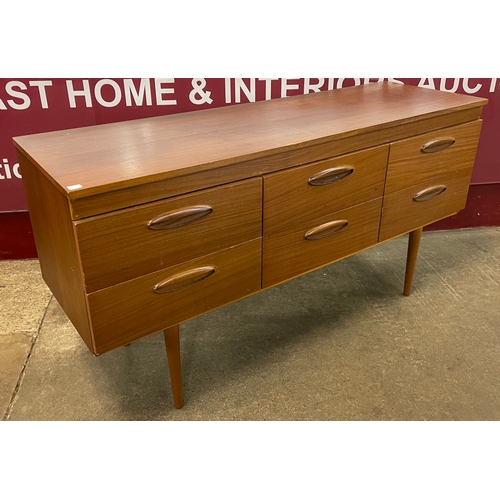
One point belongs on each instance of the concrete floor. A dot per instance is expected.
(341, 343)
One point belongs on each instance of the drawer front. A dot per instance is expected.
(121, 246)
(424, 203)
(151, 303)
(320, 242)
(447, 150)
(301, 194)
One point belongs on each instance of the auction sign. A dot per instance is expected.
(34, 105)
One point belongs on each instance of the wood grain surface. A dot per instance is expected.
(408, 165)
(105, 198)
(289, 199)
(56, 247)
(131, 310)
(104, 158)
(288, 254)
(250, 164)
(119, 246)
(401, 213)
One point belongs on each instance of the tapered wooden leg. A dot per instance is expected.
(174, 363)
(411, 259)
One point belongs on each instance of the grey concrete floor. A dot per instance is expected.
(341, 343)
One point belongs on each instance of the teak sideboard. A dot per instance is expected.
(144, 224)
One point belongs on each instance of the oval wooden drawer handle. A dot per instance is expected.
(437, 145)
(183, 279)
(330, 175)
(179, 218)
(325, 230)
(429, 193)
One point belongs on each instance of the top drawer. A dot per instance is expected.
(301, 194)
(414, 160)
(129, 243)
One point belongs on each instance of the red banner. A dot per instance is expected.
(33, 105)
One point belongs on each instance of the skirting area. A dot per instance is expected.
(341, 343)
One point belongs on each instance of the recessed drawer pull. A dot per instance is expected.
(325, 230)
(437, 145)
(179, 217)
(330, 175)
(183, 279)
(429, 193)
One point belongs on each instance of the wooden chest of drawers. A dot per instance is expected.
(142, 225)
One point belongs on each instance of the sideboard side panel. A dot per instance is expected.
(56, 246)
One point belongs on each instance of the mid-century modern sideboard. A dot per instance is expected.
(144, 224)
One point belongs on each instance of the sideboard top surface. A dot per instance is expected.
(135, 152)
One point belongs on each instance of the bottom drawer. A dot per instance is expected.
(134, 309)
(320, 242)
(426, 202)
